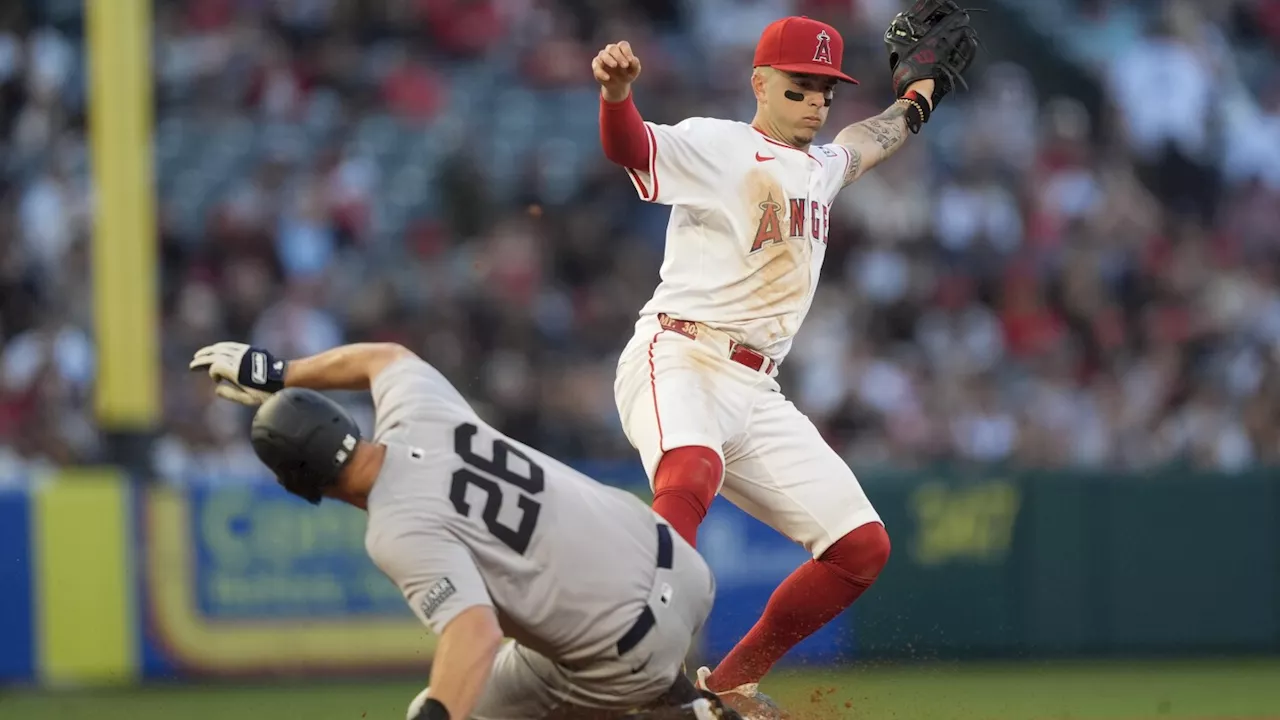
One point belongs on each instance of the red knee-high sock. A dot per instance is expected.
(684, 485)
(809, 598)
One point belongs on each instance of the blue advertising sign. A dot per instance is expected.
(17, 619)
(249, 579)
(750, 560)
(265, 555)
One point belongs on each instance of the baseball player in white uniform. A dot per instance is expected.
(695, 386)
(486, 537)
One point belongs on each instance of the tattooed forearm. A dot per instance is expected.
(855, 165)
(882, 133)
(873, 140)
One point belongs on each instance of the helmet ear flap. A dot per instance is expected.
(296, 485)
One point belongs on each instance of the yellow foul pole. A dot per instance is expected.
(124, 235)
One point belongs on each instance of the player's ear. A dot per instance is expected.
(760, 84)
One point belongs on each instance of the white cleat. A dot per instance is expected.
(747, 699)
(702, 710)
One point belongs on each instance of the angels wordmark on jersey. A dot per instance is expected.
(748, 231)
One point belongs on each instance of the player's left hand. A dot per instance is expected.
(924, 88)
(244, 374)
(933, 39)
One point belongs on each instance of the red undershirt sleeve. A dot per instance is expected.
(623, 135)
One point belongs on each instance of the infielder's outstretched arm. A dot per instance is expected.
(930, 46)
(873, 140)
(347, 367)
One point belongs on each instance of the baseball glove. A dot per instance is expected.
(931, 40)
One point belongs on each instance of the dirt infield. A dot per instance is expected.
(1168, 690)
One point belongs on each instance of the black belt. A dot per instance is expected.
(646, 621)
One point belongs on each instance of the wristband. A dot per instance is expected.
(260, 371)
(433, 709)
(917, 110)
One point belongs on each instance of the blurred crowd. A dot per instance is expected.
(1030, 281)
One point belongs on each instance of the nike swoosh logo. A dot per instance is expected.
(762, 158)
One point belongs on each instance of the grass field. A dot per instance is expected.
(1236, 690)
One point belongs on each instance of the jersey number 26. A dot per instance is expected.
(531, 482)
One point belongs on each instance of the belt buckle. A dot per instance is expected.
(763, 363)
(736, 347)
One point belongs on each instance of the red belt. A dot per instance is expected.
(738, 353)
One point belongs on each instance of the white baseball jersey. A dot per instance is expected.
(461, 516)
(748, 229)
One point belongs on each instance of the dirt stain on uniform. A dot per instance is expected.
(782, 274)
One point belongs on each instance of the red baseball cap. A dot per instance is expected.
(801, 45)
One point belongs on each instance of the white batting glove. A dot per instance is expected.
(244, 374)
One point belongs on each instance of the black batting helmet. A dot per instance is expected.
(305, 438)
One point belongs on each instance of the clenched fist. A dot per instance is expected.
(615, 68)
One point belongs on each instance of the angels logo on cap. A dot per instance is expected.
(822, 53)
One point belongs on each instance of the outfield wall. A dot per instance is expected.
(106, 582)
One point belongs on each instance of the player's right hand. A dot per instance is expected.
(243, 374)
(615, 68)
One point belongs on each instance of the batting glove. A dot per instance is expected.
(244, 374)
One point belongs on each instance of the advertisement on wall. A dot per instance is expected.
(244, 580)
(248, 579)
(17, 626)
(749, 560)
(105, 581)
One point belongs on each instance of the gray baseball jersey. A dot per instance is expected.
(461, 516)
